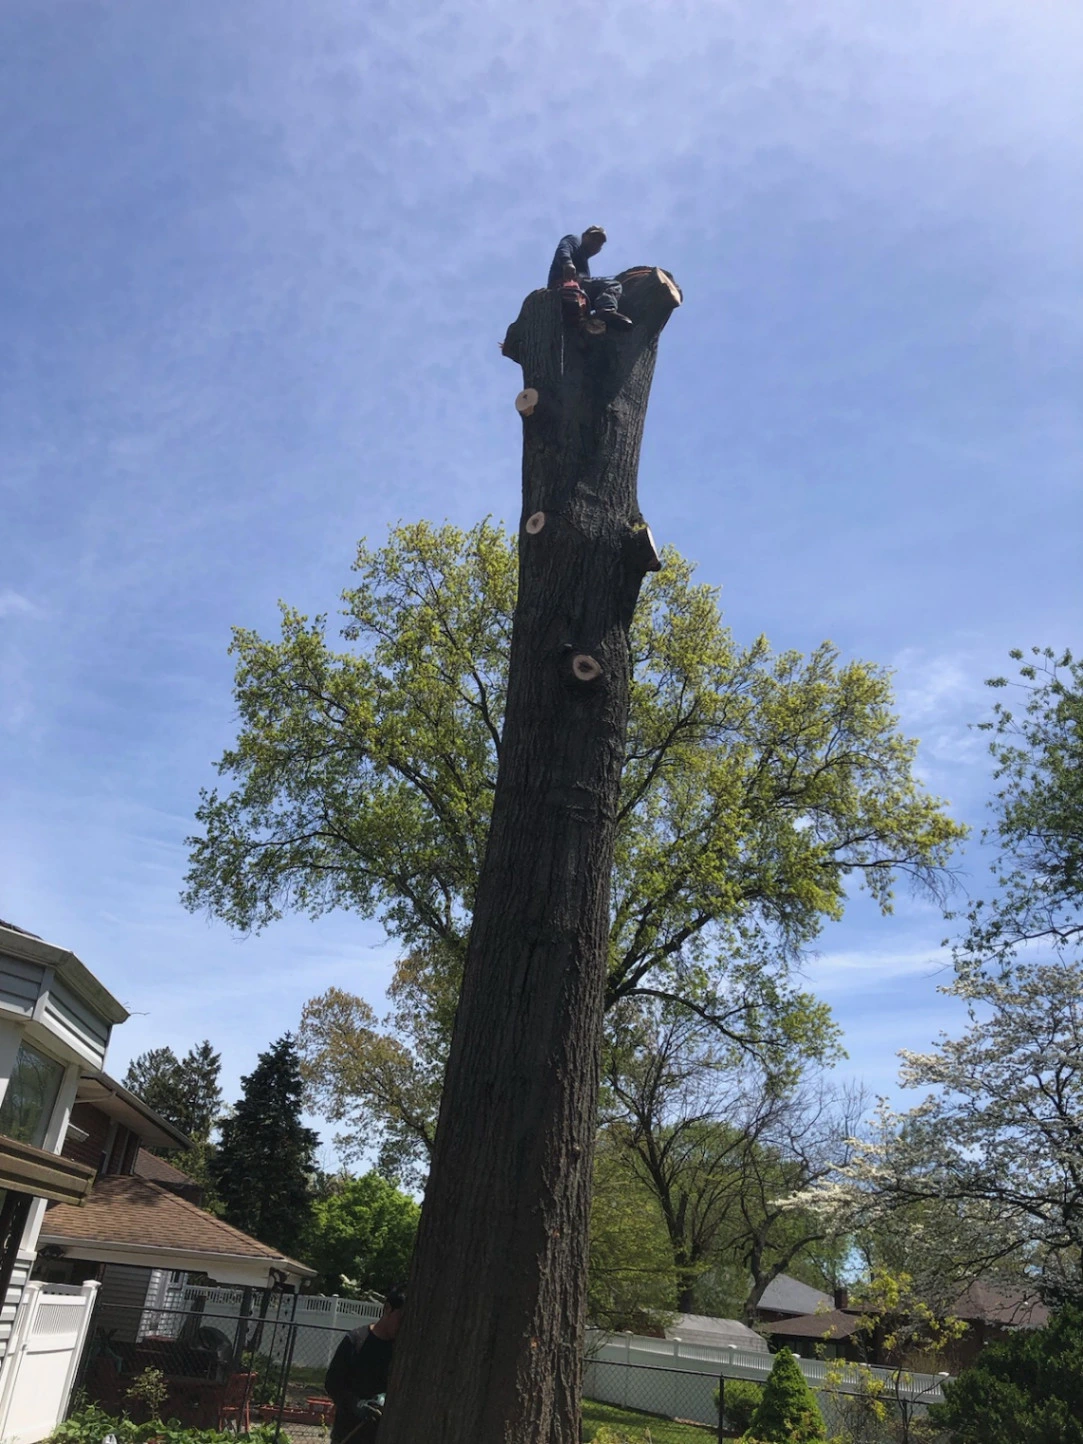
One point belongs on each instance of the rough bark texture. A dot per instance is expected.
(490, 1349)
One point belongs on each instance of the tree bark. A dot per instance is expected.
(490, 1347)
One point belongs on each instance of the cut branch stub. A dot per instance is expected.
(644, 551)
(585, 668)
(526, 401)
(535, 523)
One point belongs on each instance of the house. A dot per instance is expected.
(56, 1019)
(847, 1331)
(143, 1216)
(788, 1298)
(100, 1236)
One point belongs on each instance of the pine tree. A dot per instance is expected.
(185, 1091)
(155, 1077)
(265, 1160)
(788, 1412)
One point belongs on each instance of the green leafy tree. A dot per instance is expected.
(1038, 831)
(362, 1235)
(1027, 1389)
(756, 789)
(787, 1413)
(631, 1283)
(265, 1162)
(720, 1145)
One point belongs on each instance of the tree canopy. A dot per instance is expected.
(718, 1146)
(362, 1235)
(756, 789)
(986, 1173)
(185, 1091)
(1038, 828)
(1026, 1389)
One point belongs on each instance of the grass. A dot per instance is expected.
(663, 1431)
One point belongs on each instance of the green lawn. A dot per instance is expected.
(663, 1431)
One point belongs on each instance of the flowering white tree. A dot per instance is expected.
(987, 1171)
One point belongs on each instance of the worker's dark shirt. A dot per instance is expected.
(570, 249)
(359, 1371)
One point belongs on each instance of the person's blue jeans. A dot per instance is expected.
(603, 292)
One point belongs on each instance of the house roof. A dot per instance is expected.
(830, 1324)
(116, 1101)
(786, 1295)
(76, 974)
(988, 1304)
(723, 1333)
(144, 1219)
(160, 1170)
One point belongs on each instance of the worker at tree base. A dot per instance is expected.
(571, 262)
(356, 1380)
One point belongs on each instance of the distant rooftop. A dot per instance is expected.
(785, 1295)
(722, 1333)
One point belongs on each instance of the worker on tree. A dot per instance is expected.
(572, 263)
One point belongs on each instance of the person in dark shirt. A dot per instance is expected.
(571, 262)
(358, 1374)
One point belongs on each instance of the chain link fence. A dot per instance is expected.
(234, 1361)
(214, 1365)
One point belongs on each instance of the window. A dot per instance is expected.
(27, 1106)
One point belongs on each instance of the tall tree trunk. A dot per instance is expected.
(490, 1347)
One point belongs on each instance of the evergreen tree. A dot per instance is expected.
(183, 1090)
(1026, 1389)
(155, 1077)
(264, 1163)
(788, 1412)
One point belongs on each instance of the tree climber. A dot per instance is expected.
(571, 263)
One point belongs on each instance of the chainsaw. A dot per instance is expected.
(574, 305)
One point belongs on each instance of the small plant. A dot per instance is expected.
(91, 1425)
(149, 1391)
(788, 1412)
(607, 1434)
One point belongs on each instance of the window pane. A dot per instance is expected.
(28, 1103)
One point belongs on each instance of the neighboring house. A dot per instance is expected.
(143, 1216)
(55, 1022)
(846, 1331)
(788, 1298)
(90, 1219)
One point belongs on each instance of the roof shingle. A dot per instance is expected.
(123, 1209)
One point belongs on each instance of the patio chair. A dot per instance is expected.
(235, 1408)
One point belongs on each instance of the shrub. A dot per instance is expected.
(788, 1412)
(1026, 1390)
(607, 1434)
(738, 1403)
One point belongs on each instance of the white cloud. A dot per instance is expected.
(14, 604)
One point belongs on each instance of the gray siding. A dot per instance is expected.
(11, 1302)
(75, 1022)
(121, 1300)
(20, 983)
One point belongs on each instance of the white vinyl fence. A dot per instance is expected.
(42, 1358)
(678, 1380)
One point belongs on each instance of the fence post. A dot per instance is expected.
(721, 1406)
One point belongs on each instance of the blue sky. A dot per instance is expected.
(257, 261)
